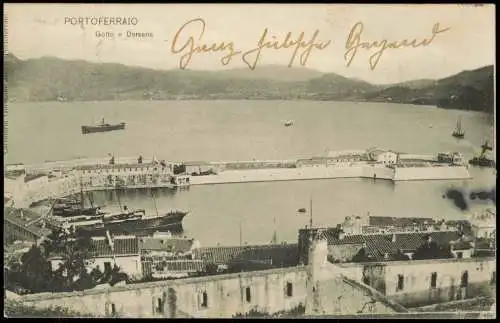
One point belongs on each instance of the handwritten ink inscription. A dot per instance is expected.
(188, 42)
(187, 46)
(354, 42)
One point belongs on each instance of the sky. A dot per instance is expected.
(36, 30)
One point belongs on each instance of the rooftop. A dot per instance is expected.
(122, 245)
(279, 254)
(382, 247)
(116, 166)
(27, 219)
(184, 265)
(398, 222)
(165, 244)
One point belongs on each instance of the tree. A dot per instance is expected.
(35, 272)
(74, 250)
(431, 250)
(117, 275)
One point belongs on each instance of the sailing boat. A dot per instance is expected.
(458, 132)
(74, 206)
(135, 222)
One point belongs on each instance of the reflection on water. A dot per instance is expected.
(244, 130)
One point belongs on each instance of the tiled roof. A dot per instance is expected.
(114, 166)
(278, 253)
(165, 244)
(122, 246)
(377, 245)
(185, 265)
(13, 216)
(398, 222)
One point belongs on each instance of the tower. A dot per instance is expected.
(317, 259)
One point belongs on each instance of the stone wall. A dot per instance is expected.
(211, 296)
(417, 279)
(272, 291)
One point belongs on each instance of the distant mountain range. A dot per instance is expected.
(54, 79)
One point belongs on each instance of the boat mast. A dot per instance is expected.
(275, 237)
(310, 212)
(119, 202)
(82, 196)
(154, 202)
(240, 234)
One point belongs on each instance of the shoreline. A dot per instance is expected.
(63, 178)
(431, 106)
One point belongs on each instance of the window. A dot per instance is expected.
(401, 282)
(204, 299)
(248, 295)
(494, 278)
(434, 280)
(460, 255)
(289, 289)
(465, 279)
(113, 309)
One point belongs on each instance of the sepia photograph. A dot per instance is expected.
(249, 161)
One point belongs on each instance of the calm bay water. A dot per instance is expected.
(242, 130)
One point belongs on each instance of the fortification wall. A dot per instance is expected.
(431, 173)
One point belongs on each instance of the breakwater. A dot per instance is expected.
(35, 183)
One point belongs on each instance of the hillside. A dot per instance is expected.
(467, 90)
(51, 79)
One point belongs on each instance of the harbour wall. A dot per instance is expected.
(431, 173)
(283, 174)
(331, 172)
(42, 188)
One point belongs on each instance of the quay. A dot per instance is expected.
(28, 184)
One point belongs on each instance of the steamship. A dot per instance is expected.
(134, 222)
(73, 216)
(103, 127)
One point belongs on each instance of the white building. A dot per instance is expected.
(484, 224)
(122, 251)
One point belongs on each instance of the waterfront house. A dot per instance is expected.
(106, 252)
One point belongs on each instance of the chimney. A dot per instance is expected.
(393, 237)
(21, 213)
(429, 239)
(341, 235)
